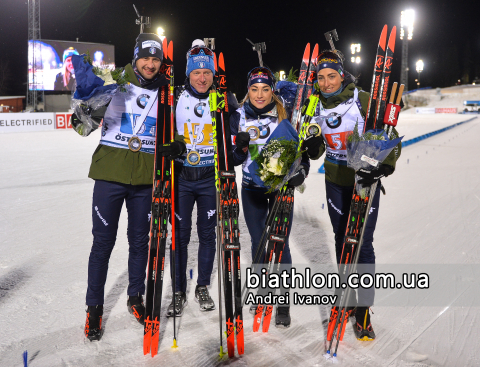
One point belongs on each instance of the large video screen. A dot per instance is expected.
(54, 69)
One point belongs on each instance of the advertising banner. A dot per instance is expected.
(425, 110)
(26, 122)
(62, 120)
(446, 110)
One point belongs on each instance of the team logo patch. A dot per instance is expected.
(201, 65)
(142, 100)
(151, 43)
(200, 59)
(153, 50)
(327, 60)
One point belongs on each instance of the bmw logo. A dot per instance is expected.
(142, 100)
(264, 132)
(333, 120)
(199, 108)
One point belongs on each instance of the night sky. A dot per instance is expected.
(446, 34)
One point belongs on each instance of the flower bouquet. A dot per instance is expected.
(278, 160)
(95, 88)
(367, 151)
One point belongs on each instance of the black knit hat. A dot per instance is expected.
(147, 45)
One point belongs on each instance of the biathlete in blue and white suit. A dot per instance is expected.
(259, 115)
(196, 181)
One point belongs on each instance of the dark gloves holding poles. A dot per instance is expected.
(369, 177)
(172, 150)
(312, 145)
(298, 178)
(242, 141)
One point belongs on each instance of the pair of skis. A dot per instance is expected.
(306, 79)
(228, 232)
(276, 238)
(360, 207)
(163, 210)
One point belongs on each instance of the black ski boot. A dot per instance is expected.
(179, 302)
(93, 325)
(136, 307)
(363, 328)
(203, 298)
(282, 317)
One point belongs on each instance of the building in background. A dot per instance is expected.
(12, 104)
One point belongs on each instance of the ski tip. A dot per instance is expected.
(306, 53)
(383, 37)
(215, 61)
(221, 62)
(170, 50)
(174, 343)
(315, 53)
(391, 39)
(165, 48)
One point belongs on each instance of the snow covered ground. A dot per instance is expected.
(430, 217)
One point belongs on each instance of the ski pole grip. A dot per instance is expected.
(312, 105)
(391, 114)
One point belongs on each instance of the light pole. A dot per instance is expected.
(406, 22)
(419, 67)
(355, 48)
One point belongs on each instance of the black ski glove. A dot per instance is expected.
(242, 141)
(369, 177)
(299, 177)
(172, 150)
(312, 145)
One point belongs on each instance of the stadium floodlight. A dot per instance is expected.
(419, 66)
(406, 22)
(355, 47)
(160, 32)
(406, 26)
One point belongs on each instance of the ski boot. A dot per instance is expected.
(178, 303)
(136, 307)
(363, 328)
(282, 317)
(93, 324)
(203, 298)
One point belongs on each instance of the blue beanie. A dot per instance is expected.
(69, 52)
(199, 57)
(329, 60)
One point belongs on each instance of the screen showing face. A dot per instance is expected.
(53, 60)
